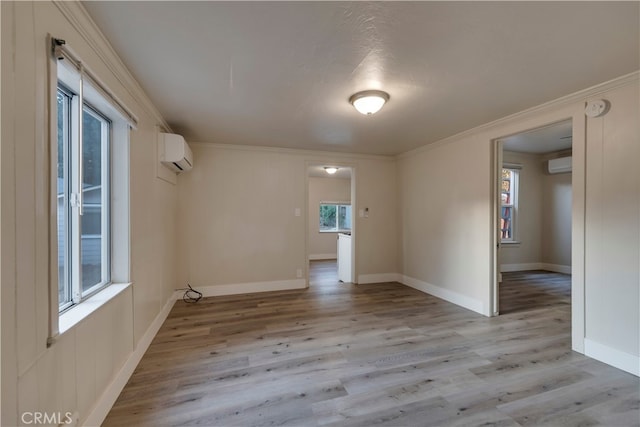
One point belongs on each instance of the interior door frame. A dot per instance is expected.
(496, 174)
(575, 113)
(354, 216)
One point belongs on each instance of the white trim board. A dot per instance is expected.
(556, 268)
(250, 288)
(445, 294)
(505, 268)
(619, 359)
(364, 279)
(316, 257)
(110, 395)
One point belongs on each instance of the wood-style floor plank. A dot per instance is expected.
(361, 355)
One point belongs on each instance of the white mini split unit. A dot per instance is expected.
(561, 165)
(177, 154)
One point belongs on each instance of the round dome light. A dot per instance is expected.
(369, 101)
(331, 170)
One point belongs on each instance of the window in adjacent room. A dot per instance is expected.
(509, 209)
(335, 217)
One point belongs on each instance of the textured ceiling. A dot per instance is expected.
(280, 73)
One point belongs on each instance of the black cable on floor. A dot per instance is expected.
(191, 295)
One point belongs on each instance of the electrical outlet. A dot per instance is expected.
(299, 273)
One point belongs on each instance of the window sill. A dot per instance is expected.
(78, 313)
(334, 231)
(513, 243)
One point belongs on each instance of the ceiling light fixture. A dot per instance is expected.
(330, 169)
(369, 101)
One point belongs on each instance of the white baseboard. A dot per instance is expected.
(315, 257)
(565, 269)
(445, 294)
(505, 268)
(250, 288)
(364, 279)
(556, 268)
(113, 390)
(619, 359)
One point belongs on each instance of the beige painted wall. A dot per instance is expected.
(73, 373)
(445, 205)
(556, 219)
(237, 214)
(376, 235)
(612, 225)
(324, 245)
(529, 212)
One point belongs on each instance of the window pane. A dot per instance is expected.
(64, 291)
(506, 186)
(93, 141)
(344, 217)
(508, 197)
(328, 217)
(505, 223)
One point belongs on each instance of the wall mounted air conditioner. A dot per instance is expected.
(177, 154)
(561, 165)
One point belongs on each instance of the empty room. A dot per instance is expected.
(320, 213)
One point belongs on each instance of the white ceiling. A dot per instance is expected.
(547, 139)
(280, 73)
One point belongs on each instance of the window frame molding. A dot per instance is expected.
(118, 170)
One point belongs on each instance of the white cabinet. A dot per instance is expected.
(344, 257)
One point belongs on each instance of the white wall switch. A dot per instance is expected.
(296, 212)
(361, 213)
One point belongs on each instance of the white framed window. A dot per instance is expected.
(509, 204)
(89, 202)
(334, 217)
(83, 198)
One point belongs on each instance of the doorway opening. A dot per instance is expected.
(330, 224)
(534, 214)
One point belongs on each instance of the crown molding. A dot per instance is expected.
(294, 151)
(82, 22)
(580, 96)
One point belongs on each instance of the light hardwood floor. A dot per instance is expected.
(383, 354)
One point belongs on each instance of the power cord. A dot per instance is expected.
(190, 294)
